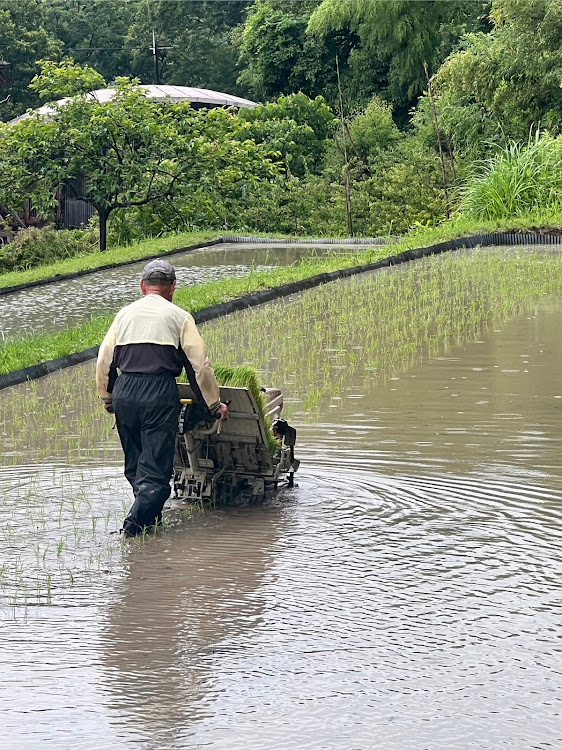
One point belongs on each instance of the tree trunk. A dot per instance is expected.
(103, 213)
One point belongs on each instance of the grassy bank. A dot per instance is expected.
(138, 251)
(16, 354)
(550, 221)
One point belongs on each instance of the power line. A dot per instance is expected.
(114, 49)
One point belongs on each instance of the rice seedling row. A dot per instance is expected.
(383, 323)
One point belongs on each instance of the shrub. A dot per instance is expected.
(405, 189)
(373, 131)
(36, 247)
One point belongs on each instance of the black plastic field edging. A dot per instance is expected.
(108, 266)
(46, 368)
(258, 298)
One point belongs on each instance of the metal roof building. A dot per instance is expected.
(198, 98)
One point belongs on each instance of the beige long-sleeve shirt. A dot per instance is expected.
(146, 337)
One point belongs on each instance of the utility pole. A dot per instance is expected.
(154, 49)
(346, 165)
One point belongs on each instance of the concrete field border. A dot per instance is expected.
(258, 298)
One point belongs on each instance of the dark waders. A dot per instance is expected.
(146, 411)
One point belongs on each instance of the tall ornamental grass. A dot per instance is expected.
(517, 180)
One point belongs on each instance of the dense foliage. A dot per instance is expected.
(502, 84)
(431, 113)
(294, 128)
(115, 38)
(135, 152)
(517, 181)
(399, 37)
(23, 40)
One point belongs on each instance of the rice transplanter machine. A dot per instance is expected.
(232, 459)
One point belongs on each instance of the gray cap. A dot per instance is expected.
(159, 269)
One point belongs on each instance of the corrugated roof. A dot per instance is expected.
(159, 94)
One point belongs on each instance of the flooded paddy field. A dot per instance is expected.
(54, 307)
(405, 595)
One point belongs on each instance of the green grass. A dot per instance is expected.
(18, 353)
(516, 180)
(461, 226)
(136, 251)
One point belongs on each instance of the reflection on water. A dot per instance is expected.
(181, 600)
(405, 595)
(48, 309)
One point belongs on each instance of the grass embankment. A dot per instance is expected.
(546, 222)
(16, 354)
(146, 248)
(137, 251)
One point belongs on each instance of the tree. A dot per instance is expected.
(132, 152)
(501, 84)
(401, 34)
(295, 128)
(279, 57)
(194, 42)
(23, 40)
(93, 32)
(59, 80)
(373, 131)
(27, 171)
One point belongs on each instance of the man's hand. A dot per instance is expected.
(108, 406)
(222, 412)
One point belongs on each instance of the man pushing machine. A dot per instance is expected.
(146, 347)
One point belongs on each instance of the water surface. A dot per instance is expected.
(405, 595)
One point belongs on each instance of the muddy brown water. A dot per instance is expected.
(405, 595)
(51, 308)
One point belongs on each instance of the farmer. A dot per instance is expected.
(143, 352)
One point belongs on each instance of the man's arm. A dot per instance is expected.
(194, 349)
(104, 366)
